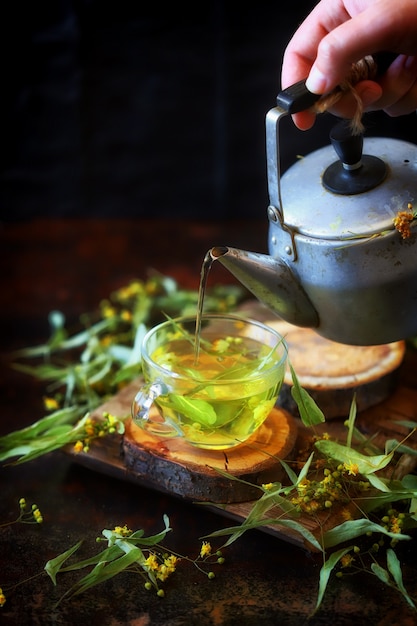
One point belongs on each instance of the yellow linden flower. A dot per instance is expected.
(205, 549)
(111, 419)
(126, 316)
(134, 288)
(152, 562)
(2, 598)
(171, 562)
(167, 567)
(313, 506)
(78, 446)
(108, 312)
(395, 526)
(267, 486)
(123, 530)
(303, 485)
(347, 560)
(351, 468)
(50, 404)
(151, 287)
(221, 345)
(163, 572)
(346, 514)
(89, 427)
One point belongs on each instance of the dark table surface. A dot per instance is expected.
(71, 265)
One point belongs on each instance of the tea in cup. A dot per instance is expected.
(213, 388)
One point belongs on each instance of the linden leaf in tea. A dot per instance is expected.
(197, 410)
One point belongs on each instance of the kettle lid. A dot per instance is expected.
(357, 196)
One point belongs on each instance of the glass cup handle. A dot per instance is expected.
(144, 400)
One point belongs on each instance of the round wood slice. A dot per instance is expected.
(332, 372)
(172, 465)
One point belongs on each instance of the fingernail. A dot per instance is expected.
(316, 81)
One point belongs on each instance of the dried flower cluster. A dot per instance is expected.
(402, 221)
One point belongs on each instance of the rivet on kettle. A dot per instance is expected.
(272, 214)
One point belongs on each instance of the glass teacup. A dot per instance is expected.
(215, 397)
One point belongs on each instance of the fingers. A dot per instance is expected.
(304, 120)
(403, 106)
(338, 33)
(399, 88)
(369, 93)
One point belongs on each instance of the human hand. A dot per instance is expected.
(338, 33)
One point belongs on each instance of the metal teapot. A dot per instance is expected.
(337, 263)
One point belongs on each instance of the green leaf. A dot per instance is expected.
(196, 410)
(381, 573)
(103, 571)
(289, 471)
(406, 489)
(351, 422)
(43, 437)
(326, 570)
(76, 341)
(394, 444)
(394, 567)
(62, 416)
(53, 438)
(42, 372)
(409, 482)
(310, 413)
(53, 566)
(352, 529)
(136, 351)
(304, 470)
(407, 423)
(109, 554)
(379, 483)
(366, 464)
(127, 373)
(237, 531)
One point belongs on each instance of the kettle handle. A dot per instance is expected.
(294, 99)
(297, 97)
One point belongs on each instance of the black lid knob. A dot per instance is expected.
(348, 147)
(354, 173)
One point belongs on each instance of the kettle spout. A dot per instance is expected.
(272, 282)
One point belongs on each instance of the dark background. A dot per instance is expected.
(145, 109)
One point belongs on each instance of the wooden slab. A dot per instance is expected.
(185, 470)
